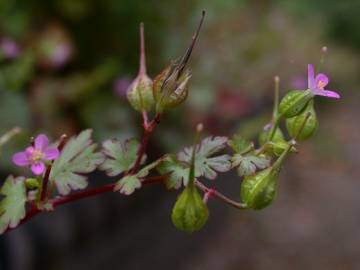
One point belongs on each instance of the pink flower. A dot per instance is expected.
(35, 156)
(317, 84)
(9, 48)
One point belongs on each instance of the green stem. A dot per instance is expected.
(191, 183)
(275, 125)
(276, 97)
(322, 59)
(292, 142)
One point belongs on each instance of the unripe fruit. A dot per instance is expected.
(263, 137)
(140, 94)
(294, 103)
(259, 190)
(190, 212)
(294, 124)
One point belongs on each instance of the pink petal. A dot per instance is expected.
(326, 93)
(29, 150)
(51, 153)
(21, 159)
(38, 168)
(311, 76)
(321, 77)
(41, 142)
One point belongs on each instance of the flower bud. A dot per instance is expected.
(190, 212)
(294, 124)
(31, 183)
(294, 103)
(140, 93)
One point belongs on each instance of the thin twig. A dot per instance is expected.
(220, 196)
(44, 188)
(148, 129)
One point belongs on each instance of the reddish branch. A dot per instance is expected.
(57, 201)
(219, 195)
(44, 188)
(148, 129)
(60, 200)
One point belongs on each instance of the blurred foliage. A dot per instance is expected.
(65, 65)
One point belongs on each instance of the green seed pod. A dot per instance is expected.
(263, 136)
(278, 147)
(295, 123)
(171, 87)
(31, 183)
(140, 94)
(190, 212)
(294, 103)
(259, 190)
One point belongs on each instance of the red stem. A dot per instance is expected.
(219, 195)
(44, 188)
(45, 183)
(142, 69)
(148, 129)
(78, 196)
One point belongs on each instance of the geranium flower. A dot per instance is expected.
(35, 156)
(317, 84)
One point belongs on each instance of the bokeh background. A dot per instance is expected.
(65, 65)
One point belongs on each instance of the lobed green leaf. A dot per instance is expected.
(205, 165)
(12, 207)
(77, 157)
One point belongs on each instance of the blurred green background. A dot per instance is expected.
(65, 65)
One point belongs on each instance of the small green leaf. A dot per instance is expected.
(177, 173)
(121, 157)
(190, 212)
(77, 157)
(205, 165)
(145, 171)
(128, 184)
(239, 144)
(247, 165)
(12, 207)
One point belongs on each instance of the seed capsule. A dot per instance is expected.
(264, 135)
(190, 212)
(171, 87)
(140, 93)
(294, 103)
(259, 190)
(278, 147)
(294, 124)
